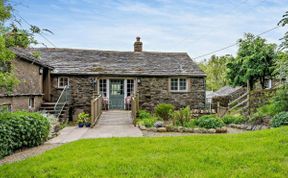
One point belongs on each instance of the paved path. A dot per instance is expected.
(111, 124)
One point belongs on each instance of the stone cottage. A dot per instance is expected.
(158, 77)
(34, 83)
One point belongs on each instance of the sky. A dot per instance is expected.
(197, 27)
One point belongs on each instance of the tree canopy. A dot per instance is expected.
(254, 61)
(215, 68)
(284, 22)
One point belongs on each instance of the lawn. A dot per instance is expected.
(253, 154)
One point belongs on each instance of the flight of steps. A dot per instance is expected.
(49, 108)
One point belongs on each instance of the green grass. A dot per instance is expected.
(254, 154)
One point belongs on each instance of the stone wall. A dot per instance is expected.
(155, 90)
(81, 92)
(152, 91)
(30, 81)
(21, 102)
(30, 85)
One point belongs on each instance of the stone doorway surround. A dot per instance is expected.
(113, 123)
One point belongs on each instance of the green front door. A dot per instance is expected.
(116, 94)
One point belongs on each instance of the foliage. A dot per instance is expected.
(164, 111)
(215, 70)
(281, 68)
(254, 61)
(11, 35)
(233, 119)
(21, 129)
(144, 114)
(182, 116)
(283, 22)
(148, 122)
(83, 118)
(190, 124)
(250, 154)
(280, 119)
(209, 121)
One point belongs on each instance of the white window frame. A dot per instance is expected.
(31, 102)
(178, 85)
(107, 89)
(59, 79)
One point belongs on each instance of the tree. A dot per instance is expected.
(254, 61)
(215, 69)
(283, 22)
(11, 35)
(281, 67)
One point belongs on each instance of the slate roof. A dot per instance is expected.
(86, 62)
(224, 91)
(24, 54)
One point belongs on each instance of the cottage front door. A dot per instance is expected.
(116, 94)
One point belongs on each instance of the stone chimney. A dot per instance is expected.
(138, 45)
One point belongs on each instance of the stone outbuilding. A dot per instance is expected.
(34, 83)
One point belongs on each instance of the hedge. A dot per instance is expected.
(20, 130)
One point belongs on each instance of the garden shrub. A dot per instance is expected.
(164, 111)
(144, 114)
(280, 119)
(181, 116)
(233, 119)
(147, 122)
(209, 122)
(22, 129)
(190, 124)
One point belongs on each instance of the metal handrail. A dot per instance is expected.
(63, 96)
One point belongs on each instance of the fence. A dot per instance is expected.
(134, 107)
(96, 109)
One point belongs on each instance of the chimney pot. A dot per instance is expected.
(138, 45)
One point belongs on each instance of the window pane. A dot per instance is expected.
(130, 87)
(174, 84)
(103, 87)
(182, 84)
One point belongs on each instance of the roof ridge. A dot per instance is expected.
(100, 50)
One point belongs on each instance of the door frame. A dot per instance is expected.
(125, 86)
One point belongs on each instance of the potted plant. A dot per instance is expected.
(82, 119)
(87, 121)
(80, 122)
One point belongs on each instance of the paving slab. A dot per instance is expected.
(115, 123)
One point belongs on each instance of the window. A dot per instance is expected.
(103, 87)
(178, 84)
(130, 87)
(31, 103)
(63, 81)
(6, 107)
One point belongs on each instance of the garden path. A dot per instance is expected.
(113, 123)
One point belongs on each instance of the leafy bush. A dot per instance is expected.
(164, 111)
(233, 119)
(22, 129)
(181, 116)
(147, 122)
(144, 114)
(209, 121)
(280, 119)
(190, 124)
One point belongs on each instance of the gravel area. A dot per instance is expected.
(26, 153)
